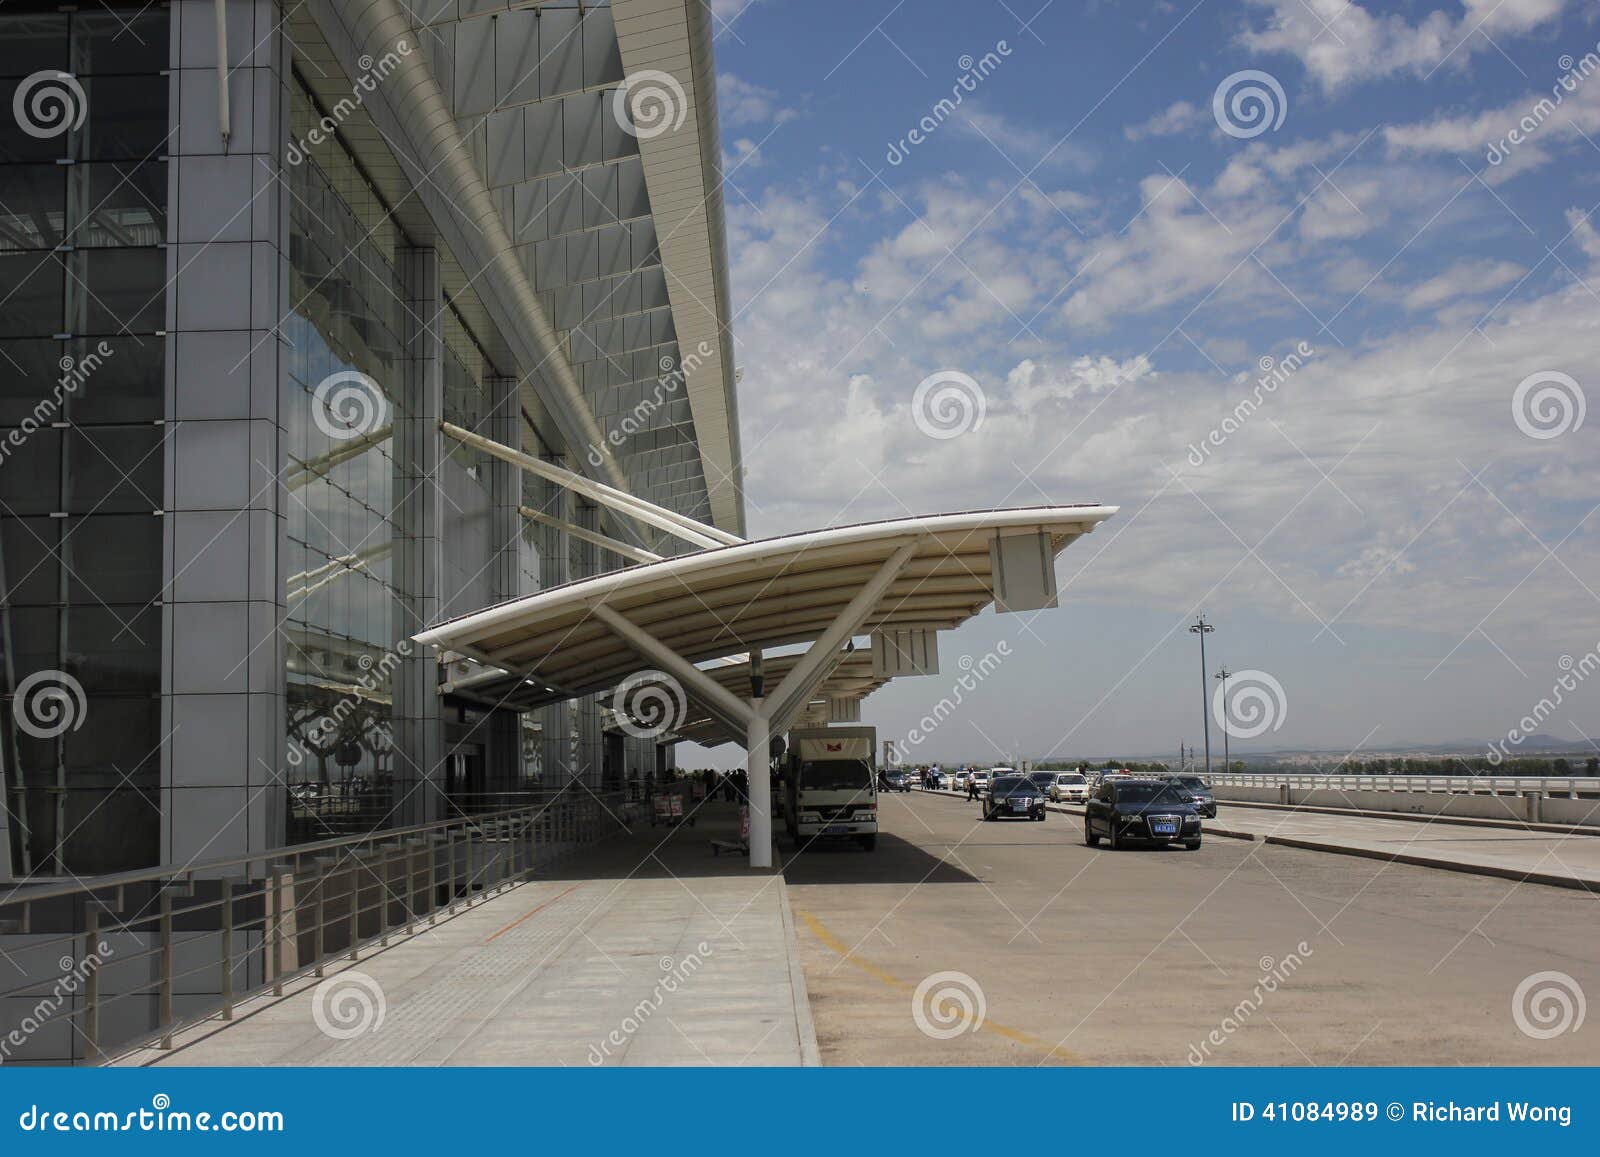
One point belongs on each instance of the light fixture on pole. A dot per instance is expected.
(1223, 673)
(1202, 628)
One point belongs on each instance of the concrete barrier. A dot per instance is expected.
(1531, 806)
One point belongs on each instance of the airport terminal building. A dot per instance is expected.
(267, 269)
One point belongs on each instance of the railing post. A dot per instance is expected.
(164, 1008)
(383, 896)
(277, 930)
(91, 986)
(411, 884)
(433, 881)
(354, 917)
(318, 942)
(227, 948)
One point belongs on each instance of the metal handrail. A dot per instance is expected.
(274, 916)
(1449, 784)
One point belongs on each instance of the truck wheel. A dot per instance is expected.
(1089, 838)
(868, 843)
(1193, 845)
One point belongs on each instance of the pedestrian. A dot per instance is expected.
(972, 788)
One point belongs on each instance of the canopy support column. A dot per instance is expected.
(758, 765)
(713, 694)
(824, 655)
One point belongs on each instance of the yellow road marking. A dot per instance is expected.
(883, 976)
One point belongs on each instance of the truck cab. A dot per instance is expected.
(831, 785)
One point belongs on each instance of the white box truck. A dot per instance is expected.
(830, 785)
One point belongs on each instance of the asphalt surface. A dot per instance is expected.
(1075, 955)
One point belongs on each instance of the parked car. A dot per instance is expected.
(1013, 796)
(959, 781)
(1200, 794)
(1042, 780)
(934, 779)
(1069, 787)
(894, 780)
(1101, 775)
(1147, 810)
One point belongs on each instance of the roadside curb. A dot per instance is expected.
(1420, 817)
(805, 1026)
(1496, 870)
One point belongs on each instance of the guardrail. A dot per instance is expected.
(1568, 786)
(114, 962)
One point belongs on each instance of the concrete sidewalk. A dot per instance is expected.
(1538, 857)
(646, 950)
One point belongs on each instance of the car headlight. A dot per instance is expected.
(865, 814)
(810, 817)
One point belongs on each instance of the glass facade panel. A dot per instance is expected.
(344, 340)
(82, 277)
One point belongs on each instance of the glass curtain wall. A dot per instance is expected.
(341, 390)
(83, 275)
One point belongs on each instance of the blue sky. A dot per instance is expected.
(1399, 529)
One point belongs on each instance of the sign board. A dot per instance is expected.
(900, 651)
(1024, 571)
(844, 709)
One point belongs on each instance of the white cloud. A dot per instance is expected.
(1178, 117)
(1342, 43)
(741, 103)
(1467, 278)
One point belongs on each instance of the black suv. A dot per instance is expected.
(894, 781)
(1199, 793)
(1013, 795)
(1151, 810)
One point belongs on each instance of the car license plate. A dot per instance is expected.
(1018, 805)
(836, 830)
(1164, 828)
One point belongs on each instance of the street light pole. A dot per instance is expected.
(1202, 628)
(1223, 673)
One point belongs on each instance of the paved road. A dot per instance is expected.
(1153, 957)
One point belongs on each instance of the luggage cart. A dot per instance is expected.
(743, 846)
(667, 808)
